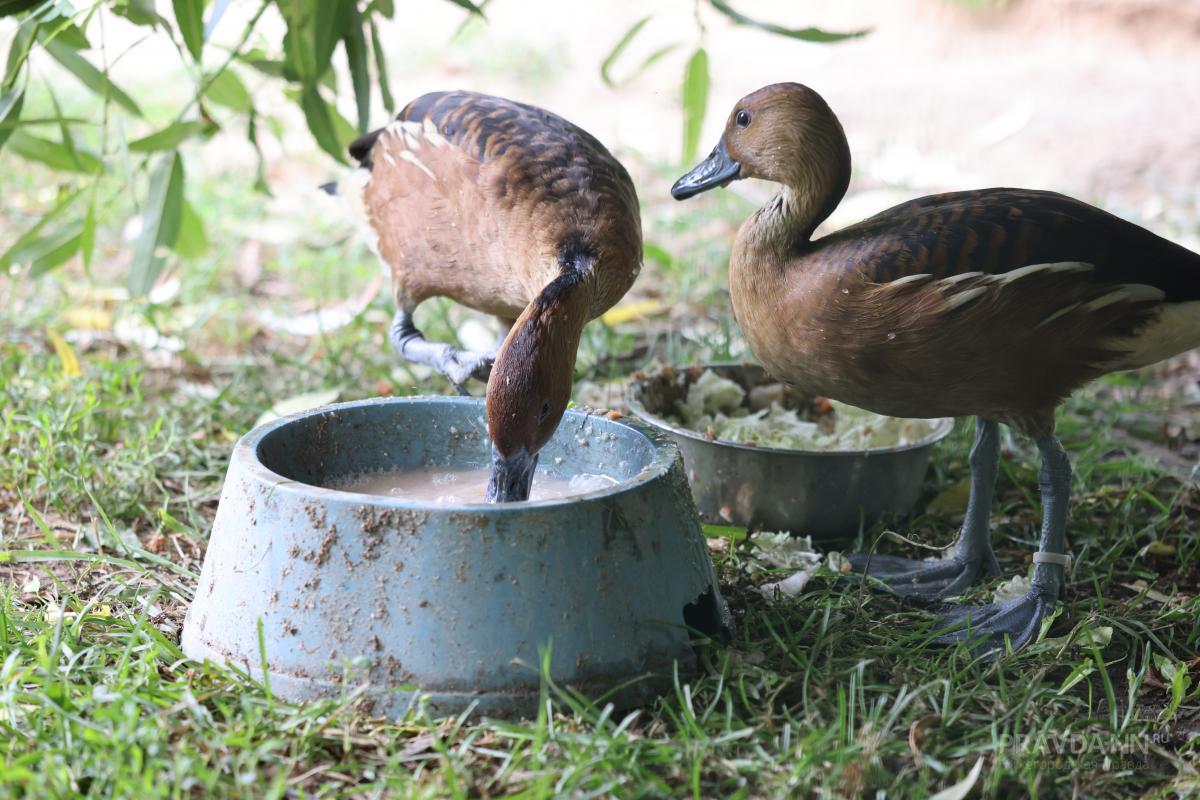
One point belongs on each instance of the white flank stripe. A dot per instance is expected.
(947, 283)
(924, 276)
(964, 297)
(1126, 293)
(1057, 314)
(410, 157)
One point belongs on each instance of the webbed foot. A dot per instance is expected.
(926, 580)
(457, 365)
(997, 628)
(972, 557)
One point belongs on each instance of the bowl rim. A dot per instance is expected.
(942, 429)
(246, 455)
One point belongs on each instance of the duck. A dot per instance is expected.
(995, 304)
(511, 210)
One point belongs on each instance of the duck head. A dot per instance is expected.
(785, 133)
(530, 386)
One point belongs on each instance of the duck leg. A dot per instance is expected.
(972, 556)
(1014, 623)
(457, 365)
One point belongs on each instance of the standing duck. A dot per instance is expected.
(511, 210)
(996, 303)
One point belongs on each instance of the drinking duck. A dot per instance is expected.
(513, 211)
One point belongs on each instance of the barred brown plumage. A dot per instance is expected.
(514, 211)
(996, 303)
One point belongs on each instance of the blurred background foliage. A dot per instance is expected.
(120, 148)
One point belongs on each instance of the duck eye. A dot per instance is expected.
(544, 412)
(742, 119)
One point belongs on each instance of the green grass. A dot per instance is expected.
(109, 483)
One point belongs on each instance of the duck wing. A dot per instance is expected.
(994, 231)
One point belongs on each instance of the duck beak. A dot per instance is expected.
(716, 170)
(512, 476)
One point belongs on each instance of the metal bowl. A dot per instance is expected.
(455, 604)
(828, 494)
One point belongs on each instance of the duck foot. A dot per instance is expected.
(456, 365)
(997, 628)
(926, 580)
(460, 365)
(972, 557)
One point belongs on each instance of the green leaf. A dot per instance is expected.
(10, 111)
(299, 61)
(657, 253)
(260, 181)
(332, 21)
(384, 7)
(618, 49)
(319, 117)
(55, 249)
(10, 8)
(356, 56)
(139, 12)
(87, 235)
(89, 76)
(160, 222)
(804, 34)
(18, 251)
(695, 102)
(66, 32)
(53, 154)
(171, 136)
(469, 6)
(226, 89)
(189, 16)
(381, 73)
(18, 51)
(191, 242)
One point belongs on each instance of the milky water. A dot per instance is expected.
(454, 486)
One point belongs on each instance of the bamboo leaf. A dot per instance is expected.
(53, 250)
(619, 48)
(10, 8)
(20, 250)
(260, 181)
(18, 51)
(355, 45)
(10, 111)
(65, 32)
(89, 76)
(139, 12)
(332, 21)
(171, 136)
(384, 7)
(319, 117)
(160, 222)
(695, 102)
(191, 242)
(804, 34)
(189, 16)
(226, 89)
(469, 6)
(53, 154)
(87, 235)
(381, 73)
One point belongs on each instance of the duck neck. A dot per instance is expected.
(810, 193)
(539, 352)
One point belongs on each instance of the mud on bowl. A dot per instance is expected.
(828, 494)
(451, 603)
